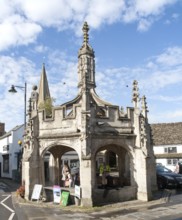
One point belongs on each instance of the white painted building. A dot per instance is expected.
(10, 152)
(167, 143)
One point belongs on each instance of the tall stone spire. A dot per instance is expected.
(43, 87)
(86, 62)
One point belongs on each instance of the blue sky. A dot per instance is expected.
(132, 39)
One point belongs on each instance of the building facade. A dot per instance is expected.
(10, 153)
(2, 129)
(167, 143)
(91, 127)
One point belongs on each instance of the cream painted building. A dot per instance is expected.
(92, 128)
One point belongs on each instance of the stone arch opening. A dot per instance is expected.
(112, 167)
(53, 160)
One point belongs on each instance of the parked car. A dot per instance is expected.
(167, 179)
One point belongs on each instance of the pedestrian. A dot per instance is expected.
(177, 168)
(69, 179)
(65, 173)
(180, 167)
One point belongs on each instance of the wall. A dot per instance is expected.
(11, 139)
(163, 161)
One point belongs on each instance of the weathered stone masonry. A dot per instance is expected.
(87, 124)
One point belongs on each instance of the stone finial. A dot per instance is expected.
(86, 48)
(135, 97)
(144, 106)
(34, 87)
(85, 30)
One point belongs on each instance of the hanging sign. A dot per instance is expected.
(36, 192)
(56, 194)
(64, 198)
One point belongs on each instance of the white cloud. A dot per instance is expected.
(21, 21)
(17, 31)
(166, 116)
(15, 71)
(144, 24)
(167, 98)
(171, 57)
(40, 49)
(150, 7)
(173, 18)
(63, 80)
(160, 79)
(45, 12)
(62, 75)
(6, 9)
(104, 11)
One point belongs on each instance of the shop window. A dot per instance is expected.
(6, 163)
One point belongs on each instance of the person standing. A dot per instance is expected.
(65, 173)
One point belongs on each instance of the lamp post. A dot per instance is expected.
(13, 90)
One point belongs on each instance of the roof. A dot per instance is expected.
(166, 133)
(9, 132)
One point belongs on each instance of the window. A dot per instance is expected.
(172, 161)
(6, 148)
(6, 163)
(170, 150)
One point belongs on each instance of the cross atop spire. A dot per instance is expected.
(85, 30)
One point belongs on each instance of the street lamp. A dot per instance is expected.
(13, 90)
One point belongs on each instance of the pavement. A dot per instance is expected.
(165, 203)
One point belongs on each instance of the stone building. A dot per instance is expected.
(88, 125)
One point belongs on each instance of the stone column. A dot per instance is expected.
(142, 177)
(86, 182)
(26, 179)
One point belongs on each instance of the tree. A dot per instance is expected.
(47, 106)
